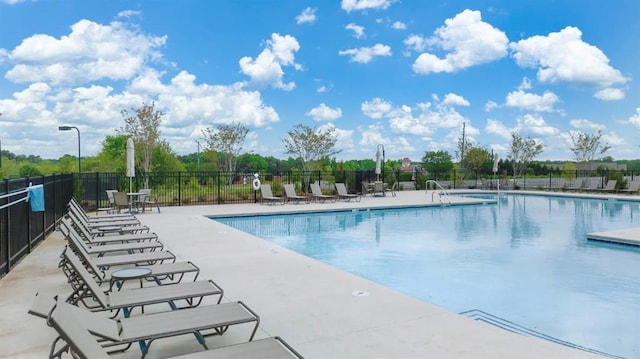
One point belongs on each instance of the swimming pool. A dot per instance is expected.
(524, 260)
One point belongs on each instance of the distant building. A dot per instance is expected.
(593, 166)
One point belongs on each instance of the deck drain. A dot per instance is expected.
(361, 293)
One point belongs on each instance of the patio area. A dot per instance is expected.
(313, 306)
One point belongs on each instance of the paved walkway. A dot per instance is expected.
(310, 304)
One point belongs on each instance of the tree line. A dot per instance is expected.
(308, 149)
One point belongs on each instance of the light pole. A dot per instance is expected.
(198, 159)
(68, 128)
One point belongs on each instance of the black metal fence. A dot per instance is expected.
(219, 187)
(20, 228)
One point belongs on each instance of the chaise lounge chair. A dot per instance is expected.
(87, 291)
(290, 192)
(633, 187)
(101, 238)
(101, 249)
(161, 273)
(272, 348)
(267, 195)
(318, 195)
(344, 195)
(75, 326)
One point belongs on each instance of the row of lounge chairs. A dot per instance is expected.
(316, 194)
(97, 318)
(593, 185)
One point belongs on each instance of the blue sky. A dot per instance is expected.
(402, 73)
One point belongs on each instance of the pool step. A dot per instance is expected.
(482, 316)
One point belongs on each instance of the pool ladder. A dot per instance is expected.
(443, 192)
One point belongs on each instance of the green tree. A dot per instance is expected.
(310, 145)
(522, 152)
(143, 125)
(251, 162)
(227, 140)
(437, 162)
(477, 159)
(586, 147)
(28, 169)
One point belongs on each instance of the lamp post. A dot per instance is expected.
(68, 128)
(198, 159)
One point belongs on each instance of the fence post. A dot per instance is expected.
(6, 245)
(179, 188)
(218, 186)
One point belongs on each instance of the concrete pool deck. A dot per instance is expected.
(321, 311)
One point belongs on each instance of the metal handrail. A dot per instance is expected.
(442, 191)
(13, 194)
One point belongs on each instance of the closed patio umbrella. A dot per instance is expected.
(131, 163)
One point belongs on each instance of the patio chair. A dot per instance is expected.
(378, 189)
(105, 238)
(317, 193)
(74, 324)
(267, 196)
(592, 184)
(272, 348)
(120, 201)
(610, 187)
(103, 218)
(161, 273)
(88, 292)
(74, 207)
(343, 194)
(290, 192)
(108, 227)
(633, 187)
(145, 199)
(76, 241)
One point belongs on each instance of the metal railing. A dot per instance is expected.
(20, 228)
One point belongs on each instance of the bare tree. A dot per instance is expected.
(522, 152)
(586, 147)
(226, 140)
(143, 124)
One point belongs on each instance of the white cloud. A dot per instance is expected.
(535, 124)
(452, 99)
(360, 5)
(609, 94)
(376, 109)
(525, 84)
(321, 89)
(613, 139)
(497, 128)
(358, 31)
(307, 16)
(344, 137)
(266, 69)
(399, 25)
(635, 119)
(416, 42)
(490, 106)
(529, 101)
(564, 57)
(90, 52)
(469, 41)
(129, 13)
(324, 113)
(366, 54)
(586, 124)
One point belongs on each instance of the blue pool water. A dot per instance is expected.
(524, 259)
